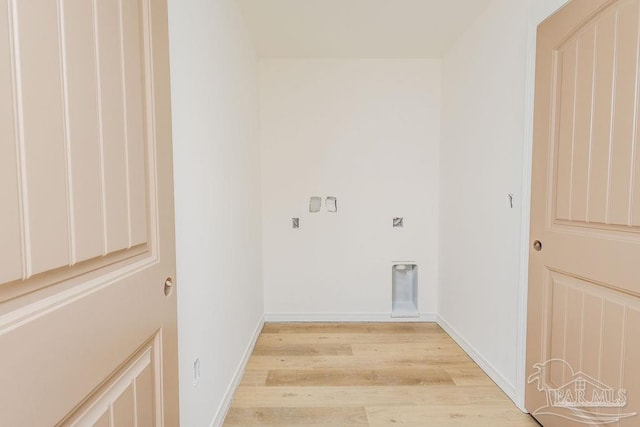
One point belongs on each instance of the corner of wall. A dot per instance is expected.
(496, 376)
(225, 405)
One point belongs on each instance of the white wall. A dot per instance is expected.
(366, 131)
(217, 198)
(485, 137)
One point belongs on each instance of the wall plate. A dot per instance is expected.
(332, 204)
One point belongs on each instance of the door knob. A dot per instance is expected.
(537, 245)
(168, 286)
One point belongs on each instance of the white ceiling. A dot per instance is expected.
(358, 28)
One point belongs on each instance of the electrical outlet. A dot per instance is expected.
(295, 222)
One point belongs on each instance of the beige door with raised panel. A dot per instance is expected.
(583, 346)
(87, 334)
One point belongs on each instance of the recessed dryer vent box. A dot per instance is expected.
(404, 284)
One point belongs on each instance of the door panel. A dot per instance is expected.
(623, 139)
(584, 293)
(595, 164)
(113, 113)
(601, 124)
(127, 398)
(90, 208)
(82, 128)
(104, 421)
(36, 48)
(10, 226)
(134, 107)
(124, 408)
(87, 330)
(594, 329)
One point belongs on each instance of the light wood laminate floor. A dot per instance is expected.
(366, 374)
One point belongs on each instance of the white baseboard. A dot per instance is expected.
(345, 317)
(237, 377)
(508, 388)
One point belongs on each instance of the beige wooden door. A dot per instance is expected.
(583, 346)
(87, 334)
